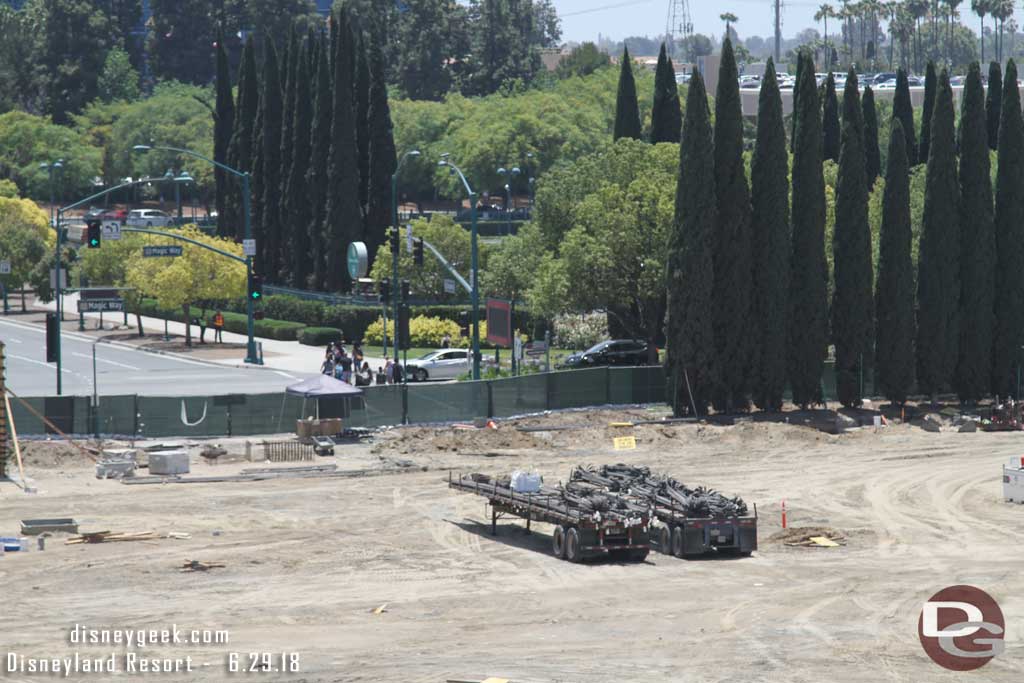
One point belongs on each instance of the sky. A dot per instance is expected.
(618, 19)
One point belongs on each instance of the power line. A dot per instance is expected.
(617, 5)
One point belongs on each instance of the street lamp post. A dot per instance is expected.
(396, 286)
(54, 168)
(474, 263)
(509, 174)
(251, 356)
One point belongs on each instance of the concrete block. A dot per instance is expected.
(968, 426)
(168, 462)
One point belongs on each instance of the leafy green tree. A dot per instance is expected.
(75, 42)
(181, 41)
(926, 113)
(831, 131)
(733, 254)
(22, 86)
(993, 104)
(109, 267)
(1009, 229)
(426, 64)
(977, 244)
(240, 152)
(769, 200)
(894, 329)
(512, 266)
(627, 110)
(852, 313)
(344, 220)
(503, 46)
(297, 206)
(666, 114)
(273, 17)
(903, 109)
(383, 159)
(224, 122)
(691, 279)
(582, 61)
(938, 280)
(26, 140)
(119, 81)
(317, 174)
(289, 73)
(808, 313)
(362, 107)
(25, 240)
(872, 155)
(269, 241)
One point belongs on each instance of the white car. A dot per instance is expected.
(440, 364)
(148, 218)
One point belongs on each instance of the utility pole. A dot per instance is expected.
(778, 32)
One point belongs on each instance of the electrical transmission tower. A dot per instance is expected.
(679, 27)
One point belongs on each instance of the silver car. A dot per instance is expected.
(440, 364)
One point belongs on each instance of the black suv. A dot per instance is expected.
(613, 352)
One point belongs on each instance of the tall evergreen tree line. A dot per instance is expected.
(957, 324)
(313, 128)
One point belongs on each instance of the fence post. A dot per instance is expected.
(490, 398)
(607, 384)
(405, 403)
(547, 390)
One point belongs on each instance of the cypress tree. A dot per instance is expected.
(769, 200)
(271, 105)
(666, 116)
(240, 153)
(903, 109)
(257, 182)
(320, 147)
(894, 329)
(363, 134)
(297, 203)
(1009, 228)
(938, 280)
(690, 331)
(224, 122)
(852, 314)
(994, 103)
(977, 244)
(796, 95)
(290, 76)
(831, 132)
(627, 111)
(808, 298)
(733, 256)
(926, 114)
(383, 158)
(344, 220)
(872, 156)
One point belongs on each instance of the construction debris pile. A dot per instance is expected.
(661, 490)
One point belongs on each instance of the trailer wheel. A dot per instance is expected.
(665, 540)
(677, 541)
(558, 542)
(638, 555)
(572, 545)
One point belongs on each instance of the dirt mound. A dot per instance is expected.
(802, 535)
(449, 439)
(48, 455)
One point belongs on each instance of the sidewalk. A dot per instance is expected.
(288, 356)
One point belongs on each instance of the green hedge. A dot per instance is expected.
(319, 336)
(233, 322)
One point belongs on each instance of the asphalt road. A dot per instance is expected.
(122, 370)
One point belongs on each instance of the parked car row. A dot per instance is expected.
(145, 218)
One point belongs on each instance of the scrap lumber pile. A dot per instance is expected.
(662, 491)
(116, 537)
(197, 566)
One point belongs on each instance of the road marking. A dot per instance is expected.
(104, 360)
(42, 330)
(37, 362)
(285, 374)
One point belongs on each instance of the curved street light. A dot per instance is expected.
(396, 289)
(54, 168)
(474, 261)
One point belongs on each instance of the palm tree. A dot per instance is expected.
(846, 14)
(1001, 10)
(890, 10)
(872, 8)
(729, 18)
(981, 8)
(1012, 27)
(902, 26)
(918, 10)
(823, 14)
(951, 6)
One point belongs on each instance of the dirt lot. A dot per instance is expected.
(308, 561)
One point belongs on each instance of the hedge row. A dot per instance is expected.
(267, 328)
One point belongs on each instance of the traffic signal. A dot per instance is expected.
(256, 288)
(93, 229)
(405, 291)
(417, 251)
(396, 242)
(51, 337)
(385, 290)
(464, 323)
(404, 339)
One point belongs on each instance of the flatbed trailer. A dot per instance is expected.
(675, 532)
(579, 534)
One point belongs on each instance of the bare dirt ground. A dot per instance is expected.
(309, 560)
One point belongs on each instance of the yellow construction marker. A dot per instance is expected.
(621, 424)
(624, 443)
(823, 541)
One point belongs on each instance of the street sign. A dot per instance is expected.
(358, 260)
(408, 238)
(249, 247)
(5, 267)
(63, 278)
(537, 348)
(517, 347)
(499, 322)
(449, 286)
(161, 251)
(100, 305)
(111, 230)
